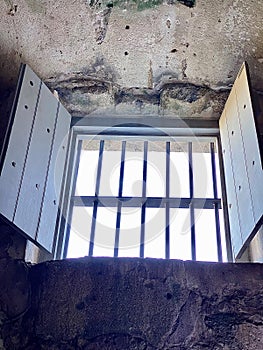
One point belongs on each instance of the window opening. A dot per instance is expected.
(146, 197)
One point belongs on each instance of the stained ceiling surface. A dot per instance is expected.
(131, 44)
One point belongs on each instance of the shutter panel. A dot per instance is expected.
(54, 181)
(33, 180)
(19, 140)
(38, 138)
(242, 164)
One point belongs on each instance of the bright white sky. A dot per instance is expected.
(180, 236)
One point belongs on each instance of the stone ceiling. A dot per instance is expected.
(86, 47)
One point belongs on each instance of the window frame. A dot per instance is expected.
(12, 176)
(125, 127)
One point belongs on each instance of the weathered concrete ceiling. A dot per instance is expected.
(106, 48)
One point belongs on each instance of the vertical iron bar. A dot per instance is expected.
(93, 227)
(96, 202)
(123, 146)
(71, 205)
(217, 221)
(143, 213)
(192, 213)
(118, 219)
(99, 168)
(167, 205)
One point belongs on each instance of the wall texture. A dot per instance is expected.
(152, 57)
(104, 303)
(12, 244)
(94, 52)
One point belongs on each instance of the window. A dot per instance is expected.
(38, 160)
(145, 192)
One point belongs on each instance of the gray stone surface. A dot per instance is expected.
(103, 45)
(106, 303)
(88, 95)
(15, 301)
(129, 58)
(12, 244)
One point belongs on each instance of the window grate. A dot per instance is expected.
(145, 202)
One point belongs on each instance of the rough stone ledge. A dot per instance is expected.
(130, 303)
(85, 94)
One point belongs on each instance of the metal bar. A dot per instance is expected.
(117, 232)
(95, 205)
(99, 168)
(152, 125)
(167, 205)
(150, 202)
(217, 221)
(93, 227)
(191, 177)
(167, 184)
(213, 164)
(118, 219)
(145, 157)
(192, 207)
(143, 212)
(72, 204)
(122, 167)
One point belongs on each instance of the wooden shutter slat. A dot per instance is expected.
(31, 177)
(242, 164)
(236, 237)
(52, 191)
(16, 153)
(242, 187)
(252, 152)
(32, 187)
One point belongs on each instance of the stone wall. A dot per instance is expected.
(107, 303)
(12, 243)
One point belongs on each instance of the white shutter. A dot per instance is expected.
(242, 164)
(19, 140)
(52, 190)
(29, 187)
